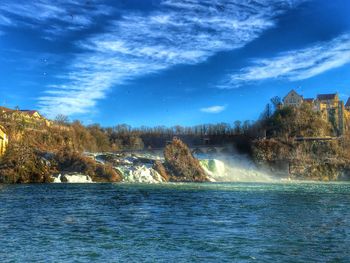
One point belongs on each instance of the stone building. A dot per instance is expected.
(29, 117)
(293, 99)
(332, 109)
(347, 105)
(329, 105)
(327, 101)
(3, 140)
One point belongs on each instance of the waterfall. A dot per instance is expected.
(220, 168)
(233, 168)
(140, 174)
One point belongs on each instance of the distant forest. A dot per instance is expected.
(125, 137)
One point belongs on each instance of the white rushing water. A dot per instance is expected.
(140, 174)
(235, 168)
(72, 178)
(220, 168)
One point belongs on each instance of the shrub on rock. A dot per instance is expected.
(181, 165)
(159, 167)
(69, 161)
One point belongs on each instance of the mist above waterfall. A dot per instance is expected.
(233, 167)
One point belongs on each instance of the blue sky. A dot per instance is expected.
(167, 62)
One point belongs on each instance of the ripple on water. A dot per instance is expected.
(263, 222)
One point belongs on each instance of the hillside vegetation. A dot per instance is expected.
(36, 152)
(285, 150)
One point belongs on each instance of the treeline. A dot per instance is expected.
(125, 137)
(275, 121)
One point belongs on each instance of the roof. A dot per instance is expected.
(292, 91)
(309, 100)
(347, 104)
(326, 96)
(4, 109)
(30, 112)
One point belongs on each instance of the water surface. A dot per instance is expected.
(228, 222)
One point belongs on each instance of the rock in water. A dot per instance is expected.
(159, 167)
(181, 165)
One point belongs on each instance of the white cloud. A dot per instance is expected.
(52, 17)
(213, 109)
(179, 32)
(295, 65)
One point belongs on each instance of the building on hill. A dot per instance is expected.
(327, 101)
(332, 109)
(329, 105)
(309, 100)
(347, 105)
(3, 141)
(4, 110)
(32, 114)
(30, 117)
(293, 99)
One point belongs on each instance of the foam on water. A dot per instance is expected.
(140, 174)
(72, 178)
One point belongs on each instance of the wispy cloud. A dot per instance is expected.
(179, 32)
(213, 109)
(52, 17)
(295, 65)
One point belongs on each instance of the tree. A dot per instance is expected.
(276, 102)
(62, 119)
(237, 127)
(267, 113)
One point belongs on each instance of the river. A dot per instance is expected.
(209, 222)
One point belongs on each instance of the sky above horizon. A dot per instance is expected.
(168, 62)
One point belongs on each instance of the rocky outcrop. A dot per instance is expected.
(323, 170)
(23, 164)
(159, 167)
(180, 164)
(314, 160)
(74, 162)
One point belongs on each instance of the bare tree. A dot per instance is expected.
(62, 119)
(276, 102)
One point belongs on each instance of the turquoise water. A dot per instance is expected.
(236, 222)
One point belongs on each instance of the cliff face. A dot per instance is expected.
(310, 160)
(67, 161)
(314, 158)
(180, 164)
(26, 165)
(34, 155)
